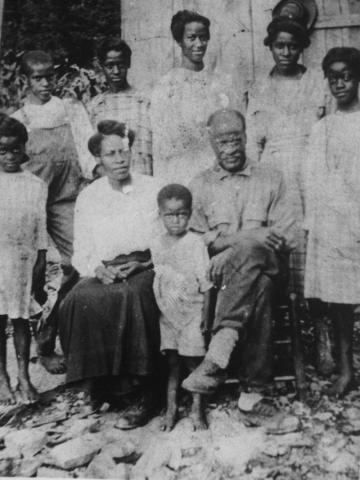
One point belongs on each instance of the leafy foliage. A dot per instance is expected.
(66, 28)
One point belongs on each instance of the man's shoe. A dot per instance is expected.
(205, 379)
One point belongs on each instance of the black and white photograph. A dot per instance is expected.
(180, 239)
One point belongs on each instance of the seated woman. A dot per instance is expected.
(332, 209)
(109, 321)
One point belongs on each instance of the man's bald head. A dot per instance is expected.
(228, 138)
(225, 119)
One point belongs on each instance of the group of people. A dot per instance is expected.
(175, 216)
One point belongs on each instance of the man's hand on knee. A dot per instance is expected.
(217, 264)
(268, 237)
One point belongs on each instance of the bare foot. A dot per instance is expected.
(7, 396)
(342, 385)
(26, 392)
(171, 417)
(54, 363)
(198, 418)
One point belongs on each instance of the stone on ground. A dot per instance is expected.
(29, 468)
(119, 450)
(75, 453)
(46, 472)
(235, 452)
(284, 424)
(100, 466)
(27, 441)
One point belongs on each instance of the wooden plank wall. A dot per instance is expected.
(338, 25)
(238, 28)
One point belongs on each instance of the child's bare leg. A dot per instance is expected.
(22, 339)
(6, 395)
(173, 360)
(197, 409)
(343, 318)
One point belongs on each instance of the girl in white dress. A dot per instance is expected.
(332, 207)
(23, 241)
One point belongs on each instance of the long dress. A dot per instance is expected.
(332, 210)
(181, 103)
(22, 235)
(111, 329)
(279, 119)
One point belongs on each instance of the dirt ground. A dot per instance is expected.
(65, 436)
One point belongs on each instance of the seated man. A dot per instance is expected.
(241, 209)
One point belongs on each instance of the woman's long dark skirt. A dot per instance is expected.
(110, 329)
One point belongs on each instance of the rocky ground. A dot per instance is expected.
(65, 436)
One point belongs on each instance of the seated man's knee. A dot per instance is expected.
(249, 248)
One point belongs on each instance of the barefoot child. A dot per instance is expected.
(332, 209)
(58, 130)
(23, 240)
(182, 292)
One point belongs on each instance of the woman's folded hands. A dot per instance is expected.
(110, 274)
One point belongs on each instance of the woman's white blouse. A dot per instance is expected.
(110, 222)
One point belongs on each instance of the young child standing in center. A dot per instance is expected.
(182, 292)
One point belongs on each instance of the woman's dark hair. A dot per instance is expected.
(106, 128)
(35, 57)
(10, 127)
(117, 44)
(348, 55)
(181, 18)
(177, 191)
(284, 24)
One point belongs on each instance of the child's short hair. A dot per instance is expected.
(348, 55)
(35, 57)
(177, 191)
(10, 127)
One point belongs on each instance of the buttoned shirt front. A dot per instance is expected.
(251, 198)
